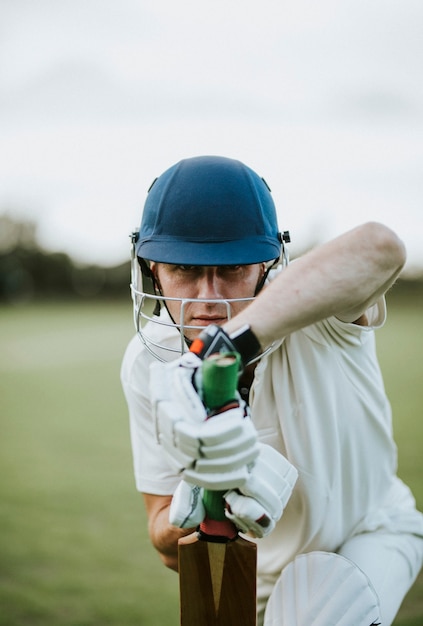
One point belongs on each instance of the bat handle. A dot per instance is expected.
(216, 524)
(219, 385)
(220, 531)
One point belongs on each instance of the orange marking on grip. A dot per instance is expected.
(197, 346)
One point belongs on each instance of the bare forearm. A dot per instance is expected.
(165, 539)
(163, 535)
(343, 278)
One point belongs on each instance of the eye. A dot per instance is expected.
(231, 268)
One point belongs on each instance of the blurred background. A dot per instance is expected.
(97, 98)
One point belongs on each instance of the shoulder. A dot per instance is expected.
(133, 353)
(135, 364)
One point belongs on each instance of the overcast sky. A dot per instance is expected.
(322, 98)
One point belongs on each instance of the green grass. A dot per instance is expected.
(400, 350)
(74, 549)
(73, 541)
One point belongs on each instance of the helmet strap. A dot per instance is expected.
(283, 259)
(158, 287)
(263, 279)
(146, 270)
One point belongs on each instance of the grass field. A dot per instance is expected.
(73, 543)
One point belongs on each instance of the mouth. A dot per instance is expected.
(205, 320)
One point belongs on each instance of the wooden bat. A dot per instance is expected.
(217, 567)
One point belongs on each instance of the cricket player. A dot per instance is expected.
(307, 458)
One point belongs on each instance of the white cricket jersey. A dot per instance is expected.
(319, 399)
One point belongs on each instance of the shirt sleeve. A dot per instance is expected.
(152, 472)
(376, 314)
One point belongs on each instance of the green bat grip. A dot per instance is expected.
(219, 385)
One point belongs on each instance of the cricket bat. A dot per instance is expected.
(217, 567)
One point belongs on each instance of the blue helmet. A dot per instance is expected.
(209, 210)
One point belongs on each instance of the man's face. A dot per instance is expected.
(209, 283)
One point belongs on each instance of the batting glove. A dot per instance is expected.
(214, 339)
(187, 508)
(255, 508)
(213, 454)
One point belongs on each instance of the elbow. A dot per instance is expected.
(167, 551)
(388, 246)
(170, 561)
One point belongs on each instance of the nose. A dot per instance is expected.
(209, 284)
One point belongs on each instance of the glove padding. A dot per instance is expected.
(187, 508)
(255, 508)
(214, 453)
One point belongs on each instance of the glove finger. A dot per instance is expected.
(228, 432)
(217, 482)
(227, 464)
(242, 444)
(217, 437)
(187, 438)
(226, 426)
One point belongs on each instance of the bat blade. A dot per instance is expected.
(217, 582)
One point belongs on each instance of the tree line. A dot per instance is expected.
(28, 272)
